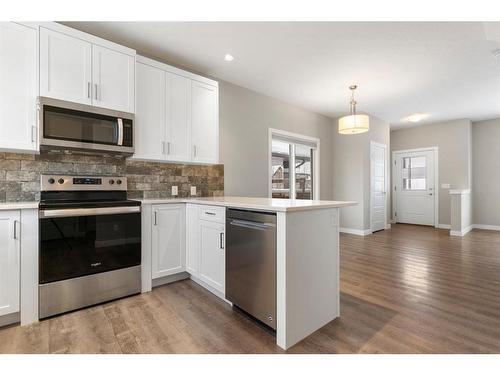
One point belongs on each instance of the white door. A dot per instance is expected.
(204, 123)
(168, 244)
(10, 265)
(192, 240)
(415, 187)
(212, 254)
(113, 78)
(65, 67)
(18, 87)
(378, 186)
(178, 125)
(150, 113)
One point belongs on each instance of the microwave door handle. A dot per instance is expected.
(120, 132)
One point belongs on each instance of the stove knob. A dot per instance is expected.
(119, 182)
(111, 182)
(61, 180)
(51, 180)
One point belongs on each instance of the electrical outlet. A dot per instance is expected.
(193, 190)
(175, 191)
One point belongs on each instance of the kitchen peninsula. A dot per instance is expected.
(307, 253)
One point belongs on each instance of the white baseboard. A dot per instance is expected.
(388, 226)
(444, 226)
(357, 232)
(463, 232)
(9, 319)
(486, 226)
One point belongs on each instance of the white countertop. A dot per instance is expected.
(268, 204)
(18, 206)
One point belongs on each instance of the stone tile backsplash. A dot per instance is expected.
(20, 175)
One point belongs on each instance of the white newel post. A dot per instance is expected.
(461, 212)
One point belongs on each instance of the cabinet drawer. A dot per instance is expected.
(212, 213)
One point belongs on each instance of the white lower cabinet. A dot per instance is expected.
(206, 257)
(10, 261)
(168, 240)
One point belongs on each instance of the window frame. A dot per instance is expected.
(299, 138)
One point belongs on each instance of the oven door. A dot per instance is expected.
(71, 125)
(80, 242)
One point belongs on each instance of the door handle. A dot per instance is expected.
(156, 221)
(168, 148)
(88, 90)
(222, 241)
(195, 151)
(95, 91)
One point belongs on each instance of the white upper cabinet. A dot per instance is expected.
(65, 67)
(150, 114)
(204, 122)
(81, 68)
(113, 79)
(168, 240)
(18, 87)
(181, 124)
(10, 262)
(178, 90)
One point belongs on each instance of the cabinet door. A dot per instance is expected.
(18, 87)
(178, 94)
(205, 123)
(168, 234)
(65, 67)
(10, 265)
(113, 78)
(192, 243)
(212, 254)
(150, 113)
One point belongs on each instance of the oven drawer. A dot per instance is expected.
(212, 213)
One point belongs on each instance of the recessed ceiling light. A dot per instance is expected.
(416, 117)
(228, 57)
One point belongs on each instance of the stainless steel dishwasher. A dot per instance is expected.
(251, 263)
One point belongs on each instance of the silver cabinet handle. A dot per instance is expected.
(95, 91)
(168, 148)
(156, 219)
(88, 90)
(163, 147)
(222, 240)
(33, 134)
(72, 212)
(195, 151)
(210, 213)
(16, 224)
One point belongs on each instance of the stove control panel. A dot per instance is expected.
(75, 183)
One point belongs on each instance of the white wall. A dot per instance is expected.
(351, 172)
(245, 117)
(453, 139)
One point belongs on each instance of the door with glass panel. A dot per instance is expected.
(292, 169)
(414, 187)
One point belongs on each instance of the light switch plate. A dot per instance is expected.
(193, 190)
(445, 186)
(175, 191)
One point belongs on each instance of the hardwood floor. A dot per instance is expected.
(406, 290)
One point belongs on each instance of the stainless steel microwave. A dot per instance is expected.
(67, 125)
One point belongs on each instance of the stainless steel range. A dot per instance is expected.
(90, 242)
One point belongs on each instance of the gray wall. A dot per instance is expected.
(245, 117)
(351, 172)
(453, 139)
(486, 172)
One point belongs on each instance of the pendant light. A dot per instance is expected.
(354, 123)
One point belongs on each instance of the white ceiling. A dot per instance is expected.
(445, 69)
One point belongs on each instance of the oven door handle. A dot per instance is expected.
(72, 212)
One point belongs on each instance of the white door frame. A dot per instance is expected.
(435, 149)
(387, 182)
(316, 161)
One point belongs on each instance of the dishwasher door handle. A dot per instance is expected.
(251, 224)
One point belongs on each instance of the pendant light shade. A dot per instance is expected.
(354, 123)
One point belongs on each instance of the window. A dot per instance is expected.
(414, 173)
(293, 158)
